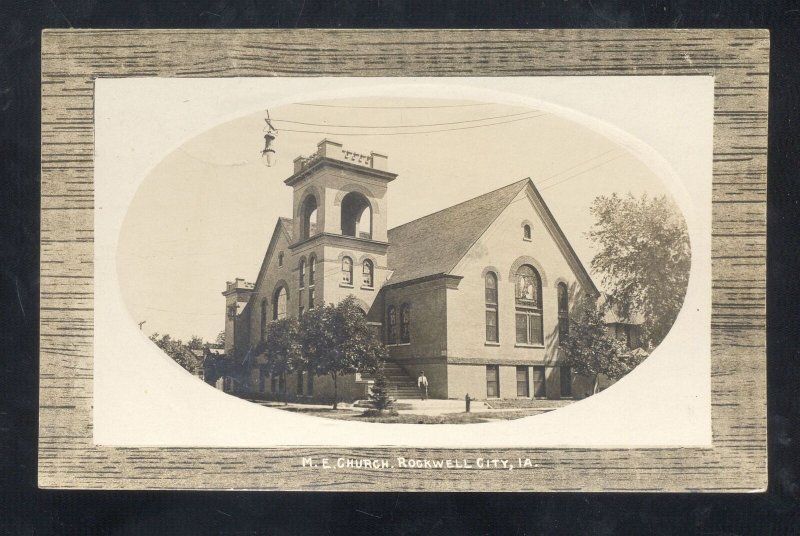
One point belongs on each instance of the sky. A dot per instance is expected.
(205, 214)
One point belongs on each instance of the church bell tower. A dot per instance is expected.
(340, 206)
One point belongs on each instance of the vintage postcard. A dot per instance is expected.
(447, 261)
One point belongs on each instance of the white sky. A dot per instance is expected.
(205, 213)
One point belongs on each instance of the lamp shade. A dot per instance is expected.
(268, 157)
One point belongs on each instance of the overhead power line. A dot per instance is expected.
(579, 164)
(405, 126)
(392, 107)
(582, 172)
(196, 313)
(410, 132)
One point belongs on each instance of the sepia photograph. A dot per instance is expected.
(434, 261)
(387, 256)
(361, 308)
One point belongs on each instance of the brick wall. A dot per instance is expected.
(465, 378)
(266, 288)
(501, 246)
(349, 388)
(428, 327)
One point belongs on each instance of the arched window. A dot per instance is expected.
(528, 299)
(526, 232)
(391, 325)
(563, 312)
(347, 271)
(405, 323)
(312, 270)
(356, 216)
(302, 271)
(367, 270)
(279, 304)
(263, 320)
(492, 334)
(308, 211)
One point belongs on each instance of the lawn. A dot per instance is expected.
(528, 403)
(408, 418)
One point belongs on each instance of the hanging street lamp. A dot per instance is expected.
(268, 157)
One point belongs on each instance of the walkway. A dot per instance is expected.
(430, 407)
(442, 407)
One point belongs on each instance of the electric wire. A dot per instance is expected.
(406, 126)
(582, 172)
(554, 175)
(392, 107)
(411, 132)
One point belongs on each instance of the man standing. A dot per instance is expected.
(422, 384)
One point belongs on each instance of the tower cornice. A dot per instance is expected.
(323, 161)
(331, 239)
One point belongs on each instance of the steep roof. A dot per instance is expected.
(415, 251)
(613, 316)
(282, 225)
(435, 243)
(288, 226)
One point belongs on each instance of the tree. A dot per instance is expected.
(175, 349)
(644, 258)
(380, 391)
(283, 348)
(591, 350)
(337, 340)
(195, 343)
(219, 342)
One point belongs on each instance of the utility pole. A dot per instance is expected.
(140, 324)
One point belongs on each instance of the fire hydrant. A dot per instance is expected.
(467, 399)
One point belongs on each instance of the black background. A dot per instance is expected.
(26, 510)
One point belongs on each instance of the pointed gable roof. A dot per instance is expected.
(284, 225)
(435, 243)
(288, 226)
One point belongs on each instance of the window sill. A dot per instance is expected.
(490, 343)
(364, 287)
(523, 345)
(527, 239)
(345, 285)
(399, 344)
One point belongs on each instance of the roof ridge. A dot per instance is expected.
(413, 254)
(526, 181)
(461, 203)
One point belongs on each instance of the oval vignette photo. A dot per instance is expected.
(341, 294)
(434, 254)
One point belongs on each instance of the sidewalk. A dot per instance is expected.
(415, 406)
(430, 407)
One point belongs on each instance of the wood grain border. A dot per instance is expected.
(738, 59)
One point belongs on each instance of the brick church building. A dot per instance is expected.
(477, 295)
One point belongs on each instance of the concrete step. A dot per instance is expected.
(400, 383)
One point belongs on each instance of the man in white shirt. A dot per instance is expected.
(422, 384)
